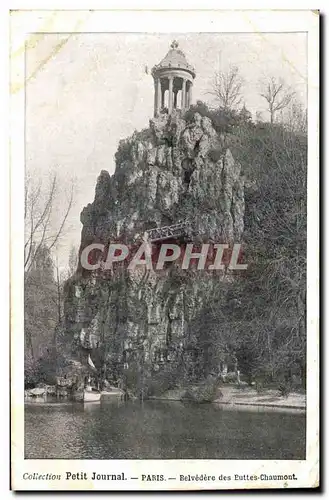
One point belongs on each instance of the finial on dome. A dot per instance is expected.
(174, 44)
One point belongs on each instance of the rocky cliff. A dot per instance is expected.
(173, 171)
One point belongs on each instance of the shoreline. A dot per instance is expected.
(231, 395)
(247, 397)
(300, 408)
(263, 405)
(253, 406)
(268, 398)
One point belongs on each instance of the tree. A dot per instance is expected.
(226, 88)
(42, 292)
(223, 121)
(73, 260)
(261, 315)
(40, 304)
(61, 276)
(59, 290)
(277, 95)
(275, 233)
(245, 116)
(295, 119)
(38, 211)
(259, 117)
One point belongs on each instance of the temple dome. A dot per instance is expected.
(174, 59)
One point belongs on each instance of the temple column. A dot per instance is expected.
(158, 95)
(184, 94)
(187, 95)
(190, 95)
(170, 99)
(162, 97)
(175, 99)
(155, 98)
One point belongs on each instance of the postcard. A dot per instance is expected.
(164, 203)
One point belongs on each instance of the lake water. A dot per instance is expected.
(158, 429)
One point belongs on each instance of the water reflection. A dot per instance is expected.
(157, 429)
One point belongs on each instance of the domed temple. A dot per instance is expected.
(173, 82)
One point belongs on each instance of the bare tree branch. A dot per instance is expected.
(226, 87)
(61, 227)
(277, 95)
(39, 206)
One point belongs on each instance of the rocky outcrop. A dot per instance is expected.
(172, 171)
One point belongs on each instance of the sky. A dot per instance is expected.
(85, 92)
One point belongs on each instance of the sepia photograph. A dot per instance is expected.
(165, 313)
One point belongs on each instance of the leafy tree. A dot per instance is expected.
(223, 120)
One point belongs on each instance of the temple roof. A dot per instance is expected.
(174, 59)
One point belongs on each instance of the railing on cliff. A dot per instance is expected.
(167, 232)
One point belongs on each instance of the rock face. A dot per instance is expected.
(173, 171)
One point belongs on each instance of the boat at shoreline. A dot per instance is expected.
(91, 395)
